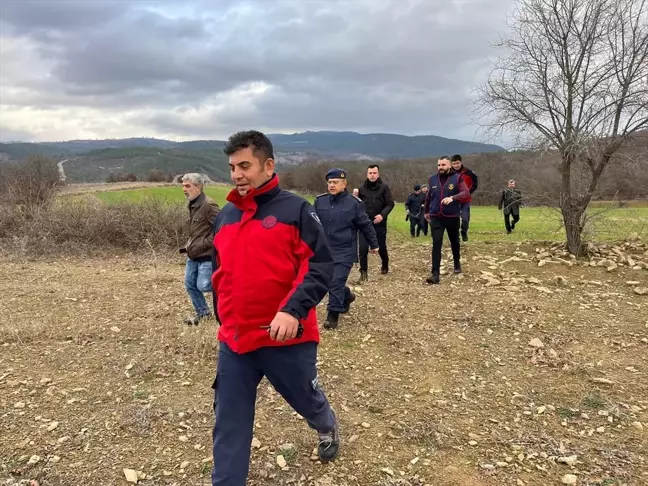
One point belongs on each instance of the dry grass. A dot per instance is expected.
(442, 376)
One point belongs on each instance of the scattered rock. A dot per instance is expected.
(256, 443)
(637, 425)
(33, 460)
(131, 475)
(569, 479)
(52, 426)
(569, 460)
(641, 290)
(19, 405)
(536, 343)
(603, 381)
(281, 461)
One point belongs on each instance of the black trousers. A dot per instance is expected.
(381, 234)
(415, 225)
(439, 226)
(507, 222)
(424, 226)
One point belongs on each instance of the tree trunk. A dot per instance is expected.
(573, 220)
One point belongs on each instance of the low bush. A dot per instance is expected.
(76, 225)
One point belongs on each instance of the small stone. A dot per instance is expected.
(600, 430)
(183, 438)
(388, 471)
(131, 475)
(637, 425)
(33, 460)
(640, 290)
(281, 461)
(633, 283)
(552, 353)
(541, 410)
(536, 343)
(256, 443)
(115, 329)
(569, 460)
(569, 479)
(604, 381)
(472, 443)
(19, 405)
(366, 425)
(52, 426)
(184, 465)
(493, 282)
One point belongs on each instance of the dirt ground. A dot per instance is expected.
(522, 382)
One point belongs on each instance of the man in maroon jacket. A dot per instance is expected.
(471, 182)
(272, 266)
(442, 209)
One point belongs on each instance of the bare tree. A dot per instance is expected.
(574, 80)
(32, 183)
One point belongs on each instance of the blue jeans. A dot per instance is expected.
(291, 370)
(465, 217)
(198, 280)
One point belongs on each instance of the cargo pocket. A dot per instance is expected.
(215, 388)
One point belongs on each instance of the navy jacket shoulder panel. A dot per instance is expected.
(230, 214)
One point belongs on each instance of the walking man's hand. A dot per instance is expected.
(373, 250)
(446, 200)
(378, 219)
(283, 327)
(428, 217)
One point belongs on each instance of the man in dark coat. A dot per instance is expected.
(342, 216)
(379, 202)
(510, 202)
(424, 222)
(472, 182)
(414, 209)
(447, 192)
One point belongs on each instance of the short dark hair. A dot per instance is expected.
(373, 166)
(261, 145)
(444, 157)
(456, 157)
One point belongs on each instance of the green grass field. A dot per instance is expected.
(487, 223)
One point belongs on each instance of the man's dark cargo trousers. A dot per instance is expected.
(292, 372)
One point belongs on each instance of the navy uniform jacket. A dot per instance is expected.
(342, 216)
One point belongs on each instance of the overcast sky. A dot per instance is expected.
(202, 69)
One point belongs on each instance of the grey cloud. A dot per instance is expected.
(403, 66)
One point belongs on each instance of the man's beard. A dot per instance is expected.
(444, 171)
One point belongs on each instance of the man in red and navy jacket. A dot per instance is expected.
(447, 191)
(472, 182)
(272, 266)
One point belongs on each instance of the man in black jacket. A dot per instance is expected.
(414, 210)
(378, 200)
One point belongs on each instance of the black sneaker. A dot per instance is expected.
(332, 320)
(464, 236)
(329, 442)
(433, 278)
(194, 321)
(364, 276)
(348, 303)
(457, 268)
(384, 269)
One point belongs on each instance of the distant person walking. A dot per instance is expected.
(342, 216)
(510, 202)
(202, 212)
(442, 209)
(272, 266)
(471, 181)
(378, 200)
(424, 222)
(414, 210)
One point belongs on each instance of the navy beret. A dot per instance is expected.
(336, 174)
(417, 187)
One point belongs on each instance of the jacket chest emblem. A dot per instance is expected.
(451, 186)
(269, 222)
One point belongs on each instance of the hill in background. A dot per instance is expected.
(95, 160)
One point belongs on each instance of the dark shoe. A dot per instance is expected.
(508, 232)
(433, 278)
(457, 268)
(364, 276)
(512, 226)
(194, 321)
(384, 270)
(332, 320)
(464, 236)
(348, 303)
(329, 443)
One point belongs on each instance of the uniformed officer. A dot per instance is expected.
(342, 215)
